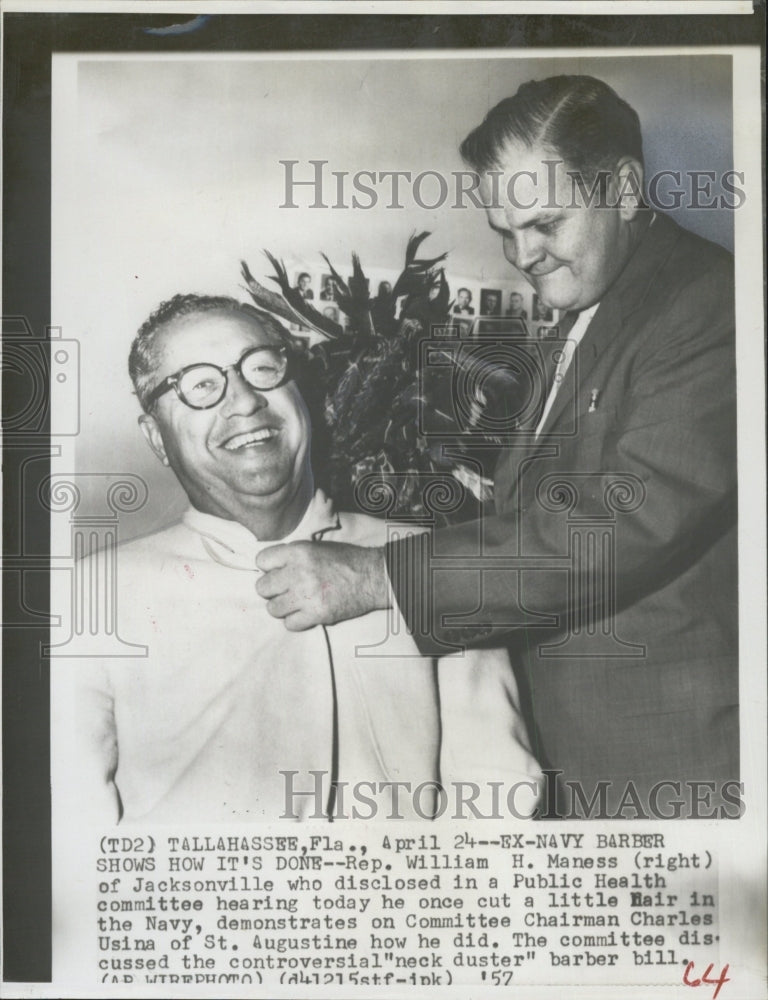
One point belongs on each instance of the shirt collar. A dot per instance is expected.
(233, 544)
(582, 322)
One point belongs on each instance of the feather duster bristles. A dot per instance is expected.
(374, 397)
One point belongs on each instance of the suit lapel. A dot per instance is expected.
(605, 324)
(609, 322)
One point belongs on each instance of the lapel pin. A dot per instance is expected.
(593, 397)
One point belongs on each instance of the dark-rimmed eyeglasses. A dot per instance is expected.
(202, 386)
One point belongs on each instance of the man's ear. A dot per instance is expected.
(628, 178)
(151, 431)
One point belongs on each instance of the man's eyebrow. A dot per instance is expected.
(539, 220)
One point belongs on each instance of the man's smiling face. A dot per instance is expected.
(250, 452)
(570, 251)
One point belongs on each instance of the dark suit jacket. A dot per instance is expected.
(628, 657)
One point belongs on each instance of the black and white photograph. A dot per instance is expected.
(405, 551)
(490, 302)
(542, 311)
(331, 311)
(516, 306)
(464, 305)
(327, 289)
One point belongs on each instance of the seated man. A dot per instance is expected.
(226, 700)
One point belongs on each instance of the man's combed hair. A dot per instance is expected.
(144, 355)
(578, 118)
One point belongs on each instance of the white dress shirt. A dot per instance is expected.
(226, 699)
(567, 351)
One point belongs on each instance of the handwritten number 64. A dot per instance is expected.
(717, 983)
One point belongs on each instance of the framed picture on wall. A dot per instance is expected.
(490, 302)
(517, 305)
(327, 289)
(542, 312)
(330, 310)
(462, 305)
(303, 284)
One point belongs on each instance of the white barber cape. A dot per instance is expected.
(227, 700)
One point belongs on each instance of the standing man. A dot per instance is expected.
(641, 429)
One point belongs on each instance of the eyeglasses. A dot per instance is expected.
(202, 386)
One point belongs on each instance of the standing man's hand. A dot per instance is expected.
(319, 583)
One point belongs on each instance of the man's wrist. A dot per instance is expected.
(376, 582)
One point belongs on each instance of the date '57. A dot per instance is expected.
(706, 979)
